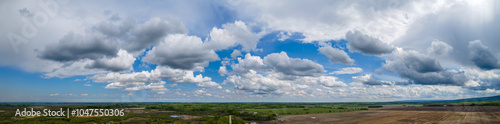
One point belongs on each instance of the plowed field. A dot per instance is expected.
(444, 115)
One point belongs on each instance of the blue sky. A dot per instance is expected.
(248, 51)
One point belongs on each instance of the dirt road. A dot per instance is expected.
(399, 116)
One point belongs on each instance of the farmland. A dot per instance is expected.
(177, 112)
(446, 112)
(296, 111)
(447, 115)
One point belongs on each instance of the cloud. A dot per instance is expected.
(136, 36)
(256, 83)
(127, 80)
(482, 79)
(331, 20)
(327, 81)
(482, 57)
(278, 74)
(421, 69)
(159, 87)
(232, 34)
(335, 55)
(222, 71)
(348, 70)
(73, 47)
(181, 52)
(122, 62)
(457, 26)
(439, 48)
(249, 63)
(280, 62)
(64, 70)
(367, 79)
(151, 32)
(235, 53)
(359, 42)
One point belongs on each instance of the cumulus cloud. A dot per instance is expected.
(482, 79)
(151, 32)
(367, 79)
(122, 62)
(232, 34)
(482, 56)
(422, 69)
(348, 70)
(131, 80)
(249, 63)
(154, 87)
(359, 42)
(235, 53)
(103, 39)
(181, 52)
(280, 62)
(439, 48)
(138, 36)
(328, 81)
(336, 55)
(73, 47)
(256, 83)
(278, 74)
(222, 71)
(456, 25)
(331, 20)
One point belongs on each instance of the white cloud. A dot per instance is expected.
(348, 70)
(139, 80)
(235, 53)
(256, 83)
(155, 87)
(181, 52)
(359, 42)
(328, 81)
(232, 34)
(122, 62)
(149, 33)
(367, 79)
(336, 55)
(281, 63)
(249, 63)
(222, 71)
(331, 20)
(75, 68)
(439, 48)
(278, 74)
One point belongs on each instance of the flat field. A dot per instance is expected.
(444, 115)
(297, 111)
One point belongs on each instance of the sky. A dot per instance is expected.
(248, 51)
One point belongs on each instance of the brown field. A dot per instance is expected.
(431, 115)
